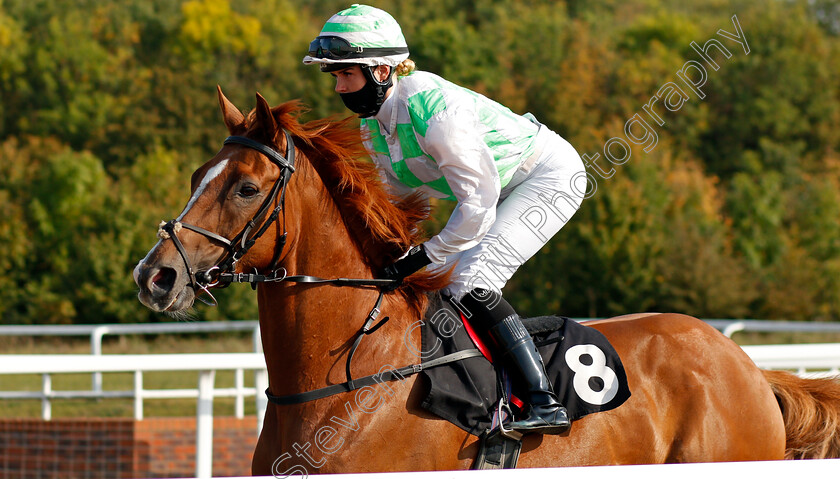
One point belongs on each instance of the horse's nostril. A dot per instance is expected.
(164, 279)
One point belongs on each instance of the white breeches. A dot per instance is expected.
(533, 207)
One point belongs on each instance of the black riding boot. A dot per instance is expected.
(546, 414)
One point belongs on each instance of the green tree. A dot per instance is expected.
(106, 108)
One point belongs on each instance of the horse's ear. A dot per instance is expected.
(266, 119)
(232, 116)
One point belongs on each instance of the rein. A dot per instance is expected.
(368, 328)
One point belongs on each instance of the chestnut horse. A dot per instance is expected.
(696, 396)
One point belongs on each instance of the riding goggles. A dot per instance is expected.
(337, 48)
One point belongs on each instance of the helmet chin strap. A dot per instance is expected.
(367, 101)
(367, 70)
(381, 87)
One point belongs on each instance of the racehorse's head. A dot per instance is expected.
(237, 197)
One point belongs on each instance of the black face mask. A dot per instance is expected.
(367, 101)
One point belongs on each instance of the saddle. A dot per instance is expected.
(477, 395)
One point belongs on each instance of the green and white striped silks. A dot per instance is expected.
(422, 101)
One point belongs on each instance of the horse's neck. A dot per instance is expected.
(307, 329)
(307, 332)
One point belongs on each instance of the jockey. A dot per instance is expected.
(513, 181)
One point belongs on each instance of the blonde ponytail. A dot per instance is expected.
(404, 68)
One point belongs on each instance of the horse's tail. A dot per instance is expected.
(811, 411)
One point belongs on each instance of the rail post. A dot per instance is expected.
(257, 339)
(733, 328)
(96, 348)
(46, 391)
(261, 384)
(204, 425)
(138, 395)
(239, 385)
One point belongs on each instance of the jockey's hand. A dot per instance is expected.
(410, 263)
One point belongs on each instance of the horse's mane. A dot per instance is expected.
(383, 226)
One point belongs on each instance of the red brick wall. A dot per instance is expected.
(120, 448)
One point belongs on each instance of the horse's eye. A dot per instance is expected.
(248, 191)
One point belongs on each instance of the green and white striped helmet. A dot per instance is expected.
(358, 35)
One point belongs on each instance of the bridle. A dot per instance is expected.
(223, 271)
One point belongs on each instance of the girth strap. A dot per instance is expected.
(384, 376)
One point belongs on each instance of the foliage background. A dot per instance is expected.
(107, 107)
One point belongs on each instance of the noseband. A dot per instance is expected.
(242, 242)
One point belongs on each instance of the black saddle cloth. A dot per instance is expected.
(584, 368)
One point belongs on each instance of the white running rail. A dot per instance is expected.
(98, 331)
(205, 364)
(731, 326)
(822, 359)
(805, 359)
